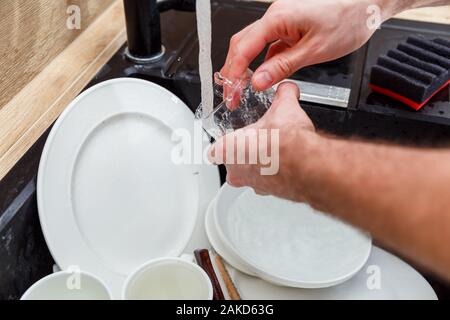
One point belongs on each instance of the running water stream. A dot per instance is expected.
(204, 30)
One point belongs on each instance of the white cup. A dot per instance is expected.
(68, 285)
(168, 279)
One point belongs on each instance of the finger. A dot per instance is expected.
(236, 38)
(229, 148)
(234, 102)
(234, 98)
(279, 67)
(219, 153)
(232, 180)
(261, 192)
(276, 48)
(244, 50)
(233, 93)
(286, 107)
(213, 152)
(286, 91)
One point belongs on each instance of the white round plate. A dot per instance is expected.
(110, 197)
(289, 243)
(383, 277)
(219, 246)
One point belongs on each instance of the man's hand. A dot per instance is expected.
(295, 133)
(300, 33)
(398, 194)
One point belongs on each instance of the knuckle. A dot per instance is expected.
(276, 6)
(320, 48)
(316, 47)
(276, 16)
(284, 65)
(239, 59)
(234, 40)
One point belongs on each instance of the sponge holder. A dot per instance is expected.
(387, 37)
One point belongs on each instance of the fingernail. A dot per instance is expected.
(263, 79)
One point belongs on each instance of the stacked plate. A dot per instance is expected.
(281, 250)
(284, 242)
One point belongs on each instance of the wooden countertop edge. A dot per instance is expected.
(29, 114)
(26, 117)
(433, 14)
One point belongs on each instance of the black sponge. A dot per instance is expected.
(413, 72)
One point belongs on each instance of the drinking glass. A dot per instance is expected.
(236, 105)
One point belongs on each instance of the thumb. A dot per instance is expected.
(287, 95)
(233, 147)
(286, 108)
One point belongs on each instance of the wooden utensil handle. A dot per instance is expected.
(204, 261)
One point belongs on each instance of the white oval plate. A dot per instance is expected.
(107, 184)
(289, 243)
(383, 277)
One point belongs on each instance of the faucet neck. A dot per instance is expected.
(144, 27)
(143, 30)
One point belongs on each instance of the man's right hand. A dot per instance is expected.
(302, 33)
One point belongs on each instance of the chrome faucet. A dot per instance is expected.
(144, 27)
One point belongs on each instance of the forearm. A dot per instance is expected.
(400, 195)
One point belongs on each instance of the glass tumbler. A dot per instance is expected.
(236, 105)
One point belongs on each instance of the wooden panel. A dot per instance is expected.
(437, 14)
(25, 117)
(33, 33)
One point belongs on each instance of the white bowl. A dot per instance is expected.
(168, 279)
(288, 243)
(65, 285)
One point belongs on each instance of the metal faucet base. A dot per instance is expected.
(146, 60)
